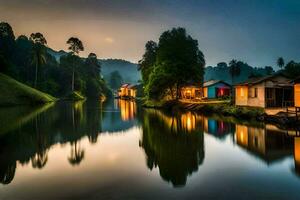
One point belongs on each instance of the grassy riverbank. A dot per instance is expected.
(13, 92)
(225, 108)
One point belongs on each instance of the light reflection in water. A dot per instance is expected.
(179, 147)
(128, 109)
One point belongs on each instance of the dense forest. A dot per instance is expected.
(30, 61)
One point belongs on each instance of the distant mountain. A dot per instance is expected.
(56, 54)
(126, 69)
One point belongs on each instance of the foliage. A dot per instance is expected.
(280, 62)
(222, 72)
(38, 53)
(75, 45)
(234, 69)
(28, 60)
(146, 65)
(292, 69)
(115, 80)
(13, 92)
(178, 61)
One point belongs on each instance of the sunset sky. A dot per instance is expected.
(255, 31)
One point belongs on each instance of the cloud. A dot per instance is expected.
(109, 40)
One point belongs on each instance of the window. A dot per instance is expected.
(253, 92)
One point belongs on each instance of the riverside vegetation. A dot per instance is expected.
(28, 60)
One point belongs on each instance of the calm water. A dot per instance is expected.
(118, 150)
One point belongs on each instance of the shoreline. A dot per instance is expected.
(225, 109)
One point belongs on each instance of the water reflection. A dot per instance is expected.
(30, 141)
(128, 109)
(173, 144)
(268, 143)
(176, 147)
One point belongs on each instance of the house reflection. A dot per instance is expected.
(217, 128)
(173, 144)
(128, 109)
(268, 143)
(297, 155)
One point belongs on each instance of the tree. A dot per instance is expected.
(292, 69)
(77, 154)
(115, 80)
(178, 61)
(280, 62)
(7, 40)
(234, 69)
(75, 46)
(269, 70)
(147, 63)
(93, 67)
(38, 53)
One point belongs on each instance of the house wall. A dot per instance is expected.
(258, 101)
(211, 90)
(205, 92)
(241, 95)
(297, 94)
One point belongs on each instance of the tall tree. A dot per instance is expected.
(75, 46)
(234, 70)
(178, 61)
(146, 64)
(280, 62)
(38, 53)
(115, 80)
(7, 39)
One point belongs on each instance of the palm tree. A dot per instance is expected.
(75, 46)
(280, 62)
(38, 53)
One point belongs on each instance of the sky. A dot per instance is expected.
(254, 31)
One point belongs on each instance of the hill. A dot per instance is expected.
(126, 69)
(221, 72)
(13, 92)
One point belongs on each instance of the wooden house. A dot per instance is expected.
(265, 92)
(191, 92)
(127, 91)
(216, 89)
(296, 83)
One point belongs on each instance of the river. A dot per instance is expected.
(117, 149)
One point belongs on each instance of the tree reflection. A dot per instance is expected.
(7, 172)
(40, 158)
(173, 144)
(77, 154)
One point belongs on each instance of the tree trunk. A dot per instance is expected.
(73, 74)
(36, 75)
(177, 91)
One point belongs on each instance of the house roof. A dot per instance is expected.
(254, 81)
(125, 85)
(129, 86)
(213, 82)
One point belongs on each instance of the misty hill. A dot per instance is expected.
(126, 69)
(56, 54)
(221, 72)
